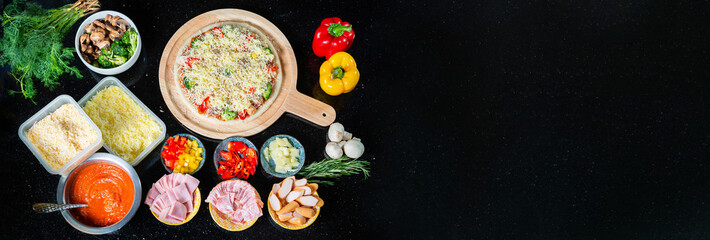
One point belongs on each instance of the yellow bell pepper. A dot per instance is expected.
(339, 74)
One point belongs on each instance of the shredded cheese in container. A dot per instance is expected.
(127, 129)
(62, 135)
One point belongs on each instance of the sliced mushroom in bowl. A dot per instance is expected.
(108, 42)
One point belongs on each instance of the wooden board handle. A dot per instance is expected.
(309, 108)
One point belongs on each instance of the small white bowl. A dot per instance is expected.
(107, 71)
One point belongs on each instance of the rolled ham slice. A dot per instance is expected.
(236, 199)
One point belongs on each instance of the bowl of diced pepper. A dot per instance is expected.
(236, 157)
(183, 153)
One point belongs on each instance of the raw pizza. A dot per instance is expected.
(229, 72)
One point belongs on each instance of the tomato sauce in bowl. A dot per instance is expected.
(106, 188)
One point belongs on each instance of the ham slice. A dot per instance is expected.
(178, 211)
(236, 199)
(181, 194)
(191, 183)
(151, 196)
(158, 187)
(189, 207)
(171, 197)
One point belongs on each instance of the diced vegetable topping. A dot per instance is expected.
(187, 82)
(239, 161)
(267, 93)
(228, 115)
(182, 155)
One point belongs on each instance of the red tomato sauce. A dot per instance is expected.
(107, 189)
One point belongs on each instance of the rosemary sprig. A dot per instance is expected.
(334, 169)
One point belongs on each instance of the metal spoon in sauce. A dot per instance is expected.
(53, 207)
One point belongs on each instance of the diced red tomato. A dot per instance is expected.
(251, 90)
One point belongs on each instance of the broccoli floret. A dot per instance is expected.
(104, 61)
(130, 40)
(117, 60)
(228, 115)
(187, 82)
(118, 49)
(267, 93)
(106, 51)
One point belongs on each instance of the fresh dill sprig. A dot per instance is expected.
(32, 42)
(334, 169)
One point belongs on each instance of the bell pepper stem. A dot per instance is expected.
(338, 72)
(337, 30)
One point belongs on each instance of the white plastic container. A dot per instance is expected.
(112, 81)
(107, 71)
(46, 111)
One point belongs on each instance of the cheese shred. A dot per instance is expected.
(62, 135)
(127, 129)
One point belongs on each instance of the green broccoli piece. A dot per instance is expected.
(130, 40)
(267, 93)
(187, 82)
(117, 60)
(106, 51)
(118, 49)
(104, 61)
(228, 115)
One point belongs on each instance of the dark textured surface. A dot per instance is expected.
(485, 120)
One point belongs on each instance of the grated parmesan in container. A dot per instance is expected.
(61, 135)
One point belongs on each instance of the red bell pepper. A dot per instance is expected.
(217, 32)
(236, 146)
(228, 174)
(191, 61)
(332, 36)
(242, 115)
(203, 107)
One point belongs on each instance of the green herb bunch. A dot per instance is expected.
(334, 169)
(32, 42)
